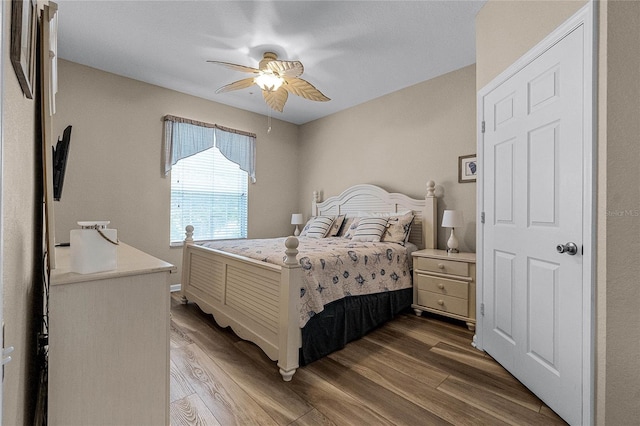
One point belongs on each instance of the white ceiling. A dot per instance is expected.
(352, 51)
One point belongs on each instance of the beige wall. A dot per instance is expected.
(507, 30)
(622, 237)
(113, 171)
(399, 141)
(21, 248)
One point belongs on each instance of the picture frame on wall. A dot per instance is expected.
(24, 25)
(50, 20)
(467, 168)
(48, 81)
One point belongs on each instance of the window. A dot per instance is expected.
(209, 192)
(210, 166)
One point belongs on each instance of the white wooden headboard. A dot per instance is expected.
(373, 199)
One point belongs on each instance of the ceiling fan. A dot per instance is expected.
(276, 79)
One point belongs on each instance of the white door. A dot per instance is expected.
(1, 204)
(533, 190)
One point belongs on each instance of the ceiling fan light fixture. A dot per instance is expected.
(269, 81)
(276, 79)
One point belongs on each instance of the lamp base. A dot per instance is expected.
(452, 243)
(296, 232)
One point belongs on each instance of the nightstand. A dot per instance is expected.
(445, 284)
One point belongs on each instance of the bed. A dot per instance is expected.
(265, 302)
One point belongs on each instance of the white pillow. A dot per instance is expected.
(398, 228)
(319, 227)
(370, 229)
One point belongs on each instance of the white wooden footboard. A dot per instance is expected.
(258, 300)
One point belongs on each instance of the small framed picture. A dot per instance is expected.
(467, 168)
(24, 27)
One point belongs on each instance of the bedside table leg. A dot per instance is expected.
(471, 326)
(418, 312)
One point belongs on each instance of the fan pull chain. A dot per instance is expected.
(268, 120)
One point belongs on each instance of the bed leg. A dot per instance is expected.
(287, 375)
(188, 241)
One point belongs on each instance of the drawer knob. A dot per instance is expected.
(440, 302)
(441, 286)
(441, 265)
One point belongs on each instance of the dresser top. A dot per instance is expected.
(443, 254)
(131, 261)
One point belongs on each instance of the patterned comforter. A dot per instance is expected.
(333, 268)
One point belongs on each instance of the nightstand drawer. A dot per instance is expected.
(442, 266)
(449, 304)
(442, 286)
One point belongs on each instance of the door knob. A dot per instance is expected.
(570, 248)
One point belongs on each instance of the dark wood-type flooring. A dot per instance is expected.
(411, 371)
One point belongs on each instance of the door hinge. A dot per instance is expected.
(483, 124)
(482, 309)
(481, 217)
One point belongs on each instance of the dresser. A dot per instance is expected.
(109, 342)
(445, 284)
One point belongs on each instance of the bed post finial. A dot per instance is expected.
(314, 203)
(431, 189)
(188, 230)
(291, 252)
(430, 217)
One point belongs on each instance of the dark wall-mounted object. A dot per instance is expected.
(60, 154)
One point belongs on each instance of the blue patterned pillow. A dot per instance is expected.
(320, 226)
(305, 229)
(370, 229)
(350, 226)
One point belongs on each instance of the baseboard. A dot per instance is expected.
(175, 287)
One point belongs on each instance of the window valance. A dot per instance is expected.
(184, 137)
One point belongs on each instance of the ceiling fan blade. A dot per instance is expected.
(286, 68)
(237, 85)
(237, 67)
(276, 99)
(304, 89)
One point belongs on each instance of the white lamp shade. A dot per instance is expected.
(297, 219)
(452, 219)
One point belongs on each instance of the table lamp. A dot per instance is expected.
(296, 219)
(452, 219)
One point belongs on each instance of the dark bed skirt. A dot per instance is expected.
(349, 319)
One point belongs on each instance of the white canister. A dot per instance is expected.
(93, 248)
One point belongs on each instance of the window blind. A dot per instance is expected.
(209, 192)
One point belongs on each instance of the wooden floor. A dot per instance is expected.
(411, 371)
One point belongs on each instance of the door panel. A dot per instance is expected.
(504, 268)
(533, 187)
(503, 171)
(543, 302)
(543, 167)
